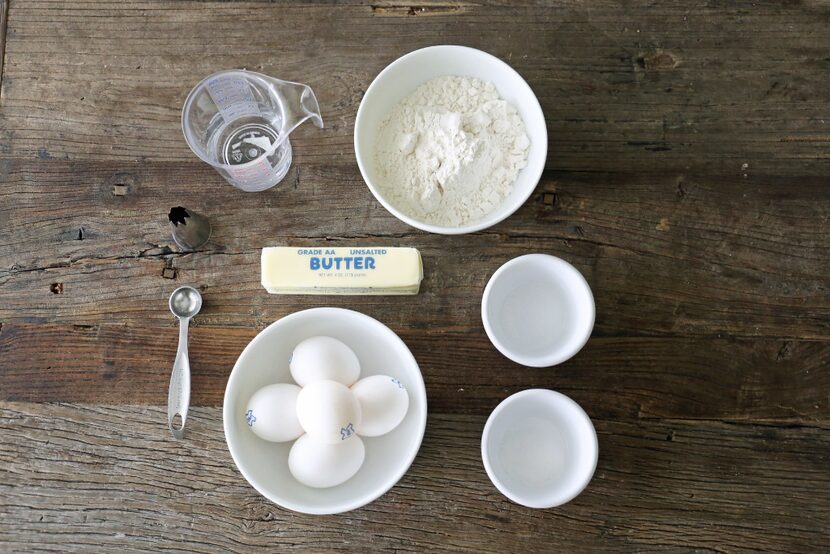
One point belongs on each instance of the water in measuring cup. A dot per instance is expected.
(242, 145)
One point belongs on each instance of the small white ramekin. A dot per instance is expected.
(538, 310)
(539, 448)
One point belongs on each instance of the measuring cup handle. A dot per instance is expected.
(178, 397)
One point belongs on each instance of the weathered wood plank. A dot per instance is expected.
(612, 378)
(666, 254)
(634, 296)
(77, 477)
(110, 209)
(624, 86)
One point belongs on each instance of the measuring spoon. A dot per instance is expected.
(185, 302)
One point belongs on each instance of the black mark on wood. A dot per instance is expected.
(681, 192)
(785, 352)
(398, 10)
(56, 288)
(81, 233)
(650, 146)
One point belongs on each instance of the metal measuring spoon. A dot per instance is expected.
(185, 302)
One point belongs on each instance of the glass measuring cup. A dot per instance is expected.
(238, 121)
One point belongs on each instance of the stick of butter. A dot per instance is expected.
(344, 270)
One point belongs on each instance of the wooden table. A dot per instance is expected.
(687, 178)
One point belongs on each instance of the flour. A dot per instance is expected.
(449, 153)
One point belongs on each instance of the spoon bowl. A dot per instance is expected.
(185, 302)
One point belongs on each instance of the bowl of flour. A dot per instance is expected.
(450, 139)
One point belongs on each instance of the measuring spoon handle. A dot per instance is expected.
(178, 398)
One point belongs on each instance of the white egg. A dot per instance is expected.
(383, 404)
(319, 358)
(328, 411)
(320, 465)
(272, 413)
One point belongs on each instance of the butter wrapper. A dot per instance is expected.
(342, 270)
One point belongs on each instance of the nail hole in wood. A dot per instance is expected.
(120, 189)
(56, 288)
(785, 352)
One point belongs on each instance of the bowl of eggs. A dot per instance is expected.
(324, 411)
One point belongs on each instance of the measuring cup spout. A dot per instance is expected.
(299, 104)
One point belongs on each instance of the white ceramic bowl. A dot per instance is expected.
(539, 448)
(404, 75)
(538, 310)
(265, 361)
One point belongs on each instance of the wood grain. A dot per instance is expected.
(666, 254)
(686, 178)
(4, 12)
(79, 477)
(737, 380)
(623, 86)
